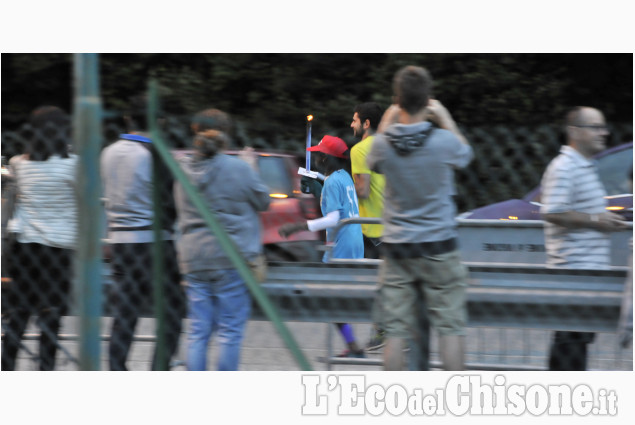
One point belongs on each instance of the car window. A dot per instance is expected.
(614, 171)
(274, 173)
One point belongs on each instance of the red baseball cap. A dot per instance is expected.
(330, 145)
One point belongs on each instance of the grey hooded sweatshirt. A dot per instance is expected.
(236, 194)
(418, 163)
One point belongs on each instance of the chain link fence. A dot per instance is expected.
(37, 274)
(508, 162)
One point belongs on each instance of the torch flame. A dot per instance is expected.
(309, 117)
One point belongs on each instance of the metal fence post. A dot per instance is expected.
(87, 136)
(158, 269)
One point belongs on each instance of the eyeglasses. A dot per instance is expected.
(592, 127)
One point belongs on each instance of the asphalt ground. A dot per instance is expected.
(264, 350)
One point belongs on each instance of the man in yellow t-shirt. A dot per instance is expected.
(368, 184)
(370, 193)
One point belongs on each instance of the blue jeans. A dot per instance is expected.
(218, 302)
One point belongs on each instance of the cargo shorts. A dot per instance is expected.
(442, 281)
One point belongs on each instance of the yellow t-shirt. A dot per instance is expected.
(372, 206)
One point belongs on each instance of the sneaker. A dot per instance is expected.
(377, 341)
(352, 354)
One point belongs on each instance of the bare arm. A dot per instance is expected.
(438, 114)
(605, 222)
(390, 117)
(435, 112)
(362, 185)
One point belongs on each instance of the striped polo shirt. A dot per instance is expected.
(46, 207)
(571, 183)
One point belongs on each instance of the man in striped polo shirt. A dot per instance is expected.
(577, 224)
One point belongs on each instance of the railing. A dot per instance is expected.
(524, 297)
(509, 286)
(520, 297)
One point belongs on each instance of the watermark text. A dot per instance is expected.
(462, 395)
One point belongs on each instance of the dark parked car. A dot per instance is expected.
(614, 164)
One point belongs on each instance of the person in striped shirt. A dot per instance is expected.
(577, 224)
(44, 229)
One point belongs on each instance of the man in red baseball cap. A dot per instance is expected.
(331, 145)
(338, 201)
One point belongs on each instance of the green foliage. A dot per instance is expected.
(271, 94)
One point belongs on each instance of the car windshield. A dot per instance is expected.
(613, 169)
(273, 172)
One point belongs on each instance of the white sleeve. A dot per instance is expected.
(322, 223)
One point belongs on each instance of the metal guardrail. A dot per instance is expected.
(525, 296)
(498, 296)
(516, 294)
(528, 296)
(502, 295)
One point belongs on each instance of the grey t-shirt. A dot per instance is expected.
(419, 171)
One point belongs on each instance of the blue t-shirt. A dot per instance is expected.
(339, 194)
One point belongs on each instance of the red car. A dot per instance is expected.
(288, 205)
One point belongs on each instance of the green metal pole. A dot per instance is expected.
(158, 267)
(87, 136)
(228, 245)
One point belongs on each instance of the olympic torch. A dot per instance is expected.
(307, 170)
(309, 118)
